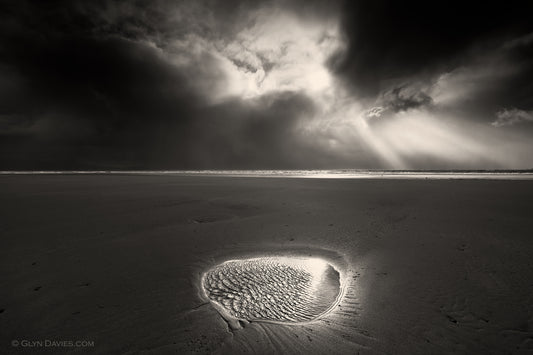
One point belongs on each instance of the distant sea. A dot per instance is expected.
(322, 174)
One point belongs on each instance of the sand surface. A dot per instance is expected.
(427, 266)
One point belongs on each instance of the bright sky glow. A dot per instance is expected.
(276, 51)
(280, 53)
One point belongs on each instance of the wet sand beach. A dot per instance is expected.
(427, 266)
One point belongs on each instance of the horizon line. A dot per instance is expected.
(493, 174)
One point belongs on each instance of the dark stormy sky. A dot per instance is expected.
(265, 85)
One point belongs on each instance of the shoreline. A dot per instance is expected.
(306, 174)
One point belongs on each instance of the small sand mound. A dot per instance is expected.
(275, 289)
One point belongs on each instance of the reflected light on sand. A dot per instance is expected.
(273, 289)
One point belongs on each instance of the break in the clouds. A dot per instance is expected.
(272, 50)
(269, 84)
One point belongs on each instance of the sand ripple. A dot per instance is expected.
(273, 289)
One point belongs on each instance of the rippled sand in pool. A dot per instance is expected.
(273, 289)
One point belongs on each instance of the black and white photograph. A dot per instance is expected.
(266, 177)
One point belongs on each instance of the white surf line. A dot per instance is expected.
(310, 174)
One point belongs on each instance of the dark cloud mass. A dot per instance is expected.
(392, 40)
(261, 85)
(404, 98)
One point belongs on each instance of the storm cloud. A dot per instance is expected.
(263, 85)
